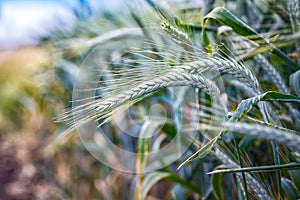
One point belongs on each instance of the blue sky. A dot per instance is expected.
(21, 21)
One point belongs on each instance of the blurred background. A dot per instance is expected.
(24, 22)
(35, 86)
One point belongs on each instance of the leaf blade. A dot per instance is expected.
(203, 151)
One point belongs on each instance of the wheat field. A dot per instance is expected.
(171, 100)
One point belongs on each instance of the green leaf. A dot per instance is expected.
(152, 178)
(259, 169)
(224, 16)
(289, 189)
(203, 151)
(216, 181)
(275, 96)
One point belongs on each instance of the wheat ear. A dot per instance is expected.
(257, 188)
(223, 65)
(273, 74)
(103, 108)
(284, 137)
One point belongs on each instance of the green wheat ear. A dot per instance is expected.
(121, 94)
